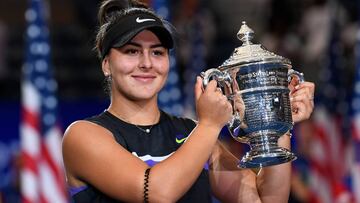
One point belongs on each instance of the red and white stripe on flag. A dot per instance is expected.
(355, 109)
(355, 159)
(356, 181)
(356, 127)
(41, 174)
(327, 159)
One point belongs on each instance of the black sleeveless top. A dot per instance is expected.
(164, 138)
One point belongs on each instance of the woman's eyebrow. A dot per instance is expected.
(133, 44)
(139, 45)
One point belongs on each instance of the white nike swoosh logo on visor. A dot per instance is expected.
(141, 20)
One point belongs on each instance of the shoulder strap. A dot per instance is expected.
(107, 122)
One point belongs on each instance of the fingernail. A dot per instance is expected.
(291, 98)
(297, 86)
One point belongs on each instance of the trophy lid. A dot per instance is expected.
(251, 53)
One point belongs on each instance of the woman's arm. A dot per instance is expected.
(228, 182)
(233, 184)
(273, 182)
(92, 155)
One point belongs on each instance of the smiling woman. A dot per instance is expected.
(139, 68)
(134, 151)
(133, 44)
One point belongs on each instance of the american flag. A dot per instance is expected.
(41, 174)
(328, 143)
(355, 169)
(170, 97)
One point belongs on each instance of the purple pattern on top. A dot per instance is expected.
(74, 190)
(151, 163)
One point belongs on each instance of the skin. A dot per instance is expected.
(139, 71)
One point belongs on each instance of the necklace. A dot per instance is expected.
(144, 129)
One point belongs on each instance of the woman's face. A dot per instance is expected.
(138, 69)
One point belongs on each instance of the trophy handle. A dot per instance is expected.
(295, 77)
(216, 74)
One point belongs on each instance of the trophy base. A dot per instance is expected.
(255, 159)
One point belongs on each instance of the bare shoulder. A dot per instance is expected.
(92, 156)
(85, 133)
(85, 130)
(81, 141)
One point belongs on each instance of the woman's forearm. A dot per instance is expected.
(273, 182)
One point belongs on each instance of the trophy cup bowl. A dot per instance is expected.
(256, 81)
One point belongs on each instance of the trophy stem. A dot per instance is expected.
(264, 151)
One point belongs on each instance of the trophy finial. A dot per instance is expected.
(245, 34)
(249, 51)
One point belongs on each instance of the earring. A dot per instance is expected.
(107, 76)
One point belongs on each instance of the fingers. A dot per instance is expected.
(211, 87)
(302, 101)
(303, 91)
(212, 106)
(293, 83)
(198, 88)
(308, 86)
(301, 111)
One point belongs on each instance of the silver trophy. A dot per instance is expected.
(256, 81)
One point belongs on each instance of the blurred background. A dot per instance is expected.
(320, 37)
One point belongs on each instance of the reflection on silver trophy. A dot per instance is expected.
(256, 81)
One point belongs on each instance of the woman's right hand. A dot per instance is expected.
(212, 106)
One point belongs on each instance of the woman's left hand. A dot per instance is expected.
(302, 100)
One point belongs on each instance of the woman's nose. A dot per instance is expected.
(145, 61)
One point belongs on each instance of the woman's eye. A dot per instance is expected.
(158, 52)
(131, 51)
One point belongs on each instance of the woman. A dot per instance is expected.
(108, 157)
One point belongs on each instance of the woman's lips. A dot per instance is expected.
(144, 78)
